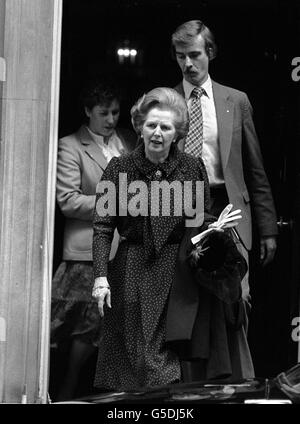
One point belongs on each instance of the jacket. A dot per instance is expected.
(80, 165)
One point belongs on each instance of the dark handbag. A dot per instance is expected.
(218, 266)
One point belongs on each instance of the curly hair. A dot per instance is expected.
(163, 98)
(99, 92)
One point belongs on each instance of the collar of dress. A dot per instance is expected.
(150, 169)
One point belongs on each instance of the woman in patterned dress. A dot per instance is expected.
(82, 157)
(133, 289)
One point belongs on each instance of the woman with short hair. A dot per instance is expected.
(133, 290)
(82, 158)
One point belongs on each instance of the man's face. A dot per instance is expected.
(193, 60)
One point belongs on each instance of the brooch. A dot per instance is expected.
(158, 174)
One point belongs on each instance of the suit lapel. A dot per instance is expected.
(180, 90)
(224, 110)
(91, 149)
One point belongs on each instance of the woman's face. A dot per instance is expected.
(159, 132)
(104, 119)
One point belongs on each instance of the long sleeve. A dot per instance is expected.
(70, 197)
(104, 226)
(256, 178)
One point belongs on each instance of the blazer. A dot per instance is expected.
(80, 165)
(246, 182)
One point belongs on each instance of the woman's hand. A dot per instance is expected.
(101, 292)
(226, 219)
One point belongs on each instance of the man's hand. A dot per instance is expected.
(267, 249)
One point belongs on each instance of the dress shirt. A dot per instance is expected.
(211, 149)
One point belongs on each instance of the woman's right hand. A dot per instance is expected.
(101, 292)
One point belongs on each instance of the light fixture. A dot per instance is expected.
(126, 52)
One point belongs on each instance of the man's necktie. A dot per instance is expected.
(194, 141)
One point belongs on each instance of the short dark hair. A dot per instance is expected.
(99, 92)
(185, 33)
(162, 98)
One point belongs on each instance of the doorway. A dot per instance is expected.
(254, 56)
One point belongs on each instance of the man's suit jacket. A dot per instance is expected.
(246, 182)
(80, 165)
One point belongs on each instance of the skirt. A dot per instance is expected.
(74, 313)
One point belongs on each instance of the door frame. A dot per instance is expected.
(48, 237)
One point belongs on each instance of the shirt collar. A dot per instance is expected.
(188, 88)
(99, 139)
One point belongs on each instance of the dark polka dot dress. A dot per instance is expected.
(133, 353)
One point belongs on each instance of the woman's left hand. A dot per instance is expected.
(227, 219)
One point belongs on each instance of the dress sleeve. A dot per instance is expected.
(105, 217)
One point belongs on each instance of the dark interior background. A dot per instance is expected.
(257, 40)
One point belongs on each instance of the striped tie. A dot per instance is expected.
(194, 141)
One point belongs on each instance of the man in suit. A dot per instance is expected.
(224, 135)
